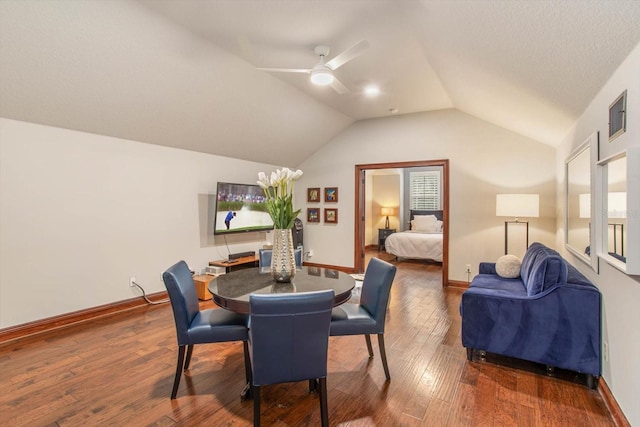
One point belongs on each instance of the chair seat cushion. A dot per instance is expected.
(352, 319)
(217, 325)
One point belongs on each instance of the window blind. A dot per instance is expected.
(424, 190)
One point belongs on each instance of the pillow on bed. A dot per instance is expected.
(424, 223)
(426, 226)
(425, 217)
(508, 266)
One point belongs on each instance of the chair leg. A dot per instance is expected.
(383, 355)
(176, 380)
(255, 390)
(247, 362)
(368, 339)
(324, 410)
(189, 352)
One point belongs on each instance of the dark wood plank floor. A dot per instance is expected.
(119, 371)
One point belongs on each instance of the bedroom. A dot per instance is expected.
(392, 198)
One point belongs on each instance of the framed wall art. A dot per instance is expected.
(331, 216)
(313, 195)
(313, 215)
(331, 194)
(618, 116)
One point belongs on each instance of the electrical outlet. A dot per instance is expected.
(310, 253)
(132, 281)
(468, 268)
(605, 350)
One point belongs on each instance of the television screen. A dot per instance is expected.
(240, 208)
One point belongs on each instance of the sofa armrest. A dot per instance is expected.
(559, 327)
(487, 268)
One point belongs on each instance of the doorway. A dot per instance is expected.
(360, 172)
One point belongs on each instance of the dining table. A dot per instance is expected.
(231, 290)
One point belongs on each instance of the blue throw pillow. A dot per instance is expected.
(529, 259)
(546, 272)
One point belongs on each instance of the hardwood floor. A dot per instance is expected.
(119, 371)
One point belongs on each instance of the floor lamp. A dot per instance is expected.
(516, 206)
(616, 214)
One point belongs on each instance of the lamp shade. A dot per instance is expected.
(617, 205)
(518, 205)
(584, 201)
(321, 75)
(387, 211)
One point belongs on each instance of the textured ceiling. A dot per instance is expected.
(183, 73)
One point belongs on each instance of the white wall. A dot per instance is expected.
(80, 213)
(620, 293)
(484, 160)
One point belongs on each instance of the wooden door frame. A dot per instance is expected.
(360, 210)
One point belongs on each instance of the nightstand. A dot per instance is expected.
(383, 233)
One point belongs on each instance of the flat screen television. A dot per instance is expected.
(240, 208)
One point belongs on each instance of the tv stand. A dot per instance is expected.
(236, 264)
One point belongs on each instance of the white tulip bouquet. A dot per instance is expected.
(278, 189)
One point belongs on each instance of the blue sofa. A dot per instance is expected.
(548, 315)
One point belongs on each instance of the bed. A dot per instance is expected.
(417, 243)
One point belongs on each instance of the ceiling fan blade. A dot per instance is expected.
(339, 87)
(286, 70)
(348, 55)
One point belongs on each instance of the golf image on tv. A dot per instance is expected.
(240, 208)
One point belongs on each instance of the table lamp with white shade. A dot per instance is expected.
(386, 212)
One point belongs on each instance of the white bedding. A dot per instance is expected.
(415, 244)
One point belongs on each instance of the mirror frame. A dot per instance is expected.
(591, 145)
(632, 265)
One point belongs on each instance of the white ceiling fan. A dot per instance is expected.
(322, 74)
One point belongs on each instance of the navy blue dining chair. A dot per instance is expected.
(264, 257)
(368, 317)
(288, 342)
(195, 326)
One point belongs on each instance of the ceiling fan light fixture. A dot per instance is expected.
(322, 76)
(372, 90)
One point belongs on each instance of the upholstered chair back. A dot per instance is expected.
(289, 336)
(376, 289)
(183, 296)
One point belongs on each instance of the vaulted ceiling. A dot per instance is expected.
(183, 73)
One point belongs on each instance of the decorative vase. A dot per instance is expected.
(283, 262)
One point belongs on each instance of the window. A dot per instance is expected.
(424, 191)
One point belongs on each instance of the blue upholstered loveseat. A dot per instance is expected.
(549, 315)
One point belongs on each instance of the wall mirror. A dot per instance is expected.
(614, 212)
(579, 210)
(619, 220)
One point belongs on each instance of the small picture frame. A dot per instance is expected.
(331, 194)
(618, 116)
(313, 214)
(331, 216)
(313, 195)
